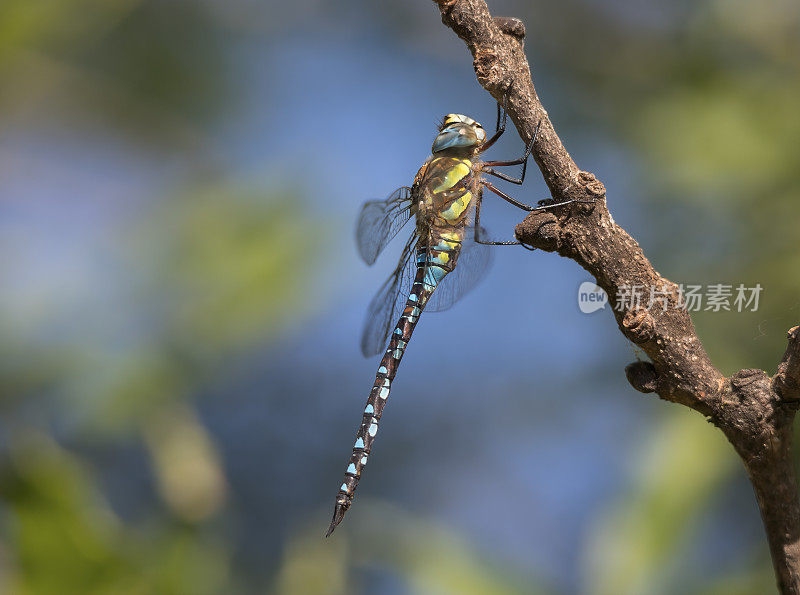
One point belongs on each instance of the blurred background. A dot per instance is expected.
(181, 300)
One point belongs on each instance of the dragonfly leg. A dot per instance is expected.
(506, 197)
(550, 203)
(478, 239)
(499, 130)
(521, 161)
(502, 176)
(541, 206)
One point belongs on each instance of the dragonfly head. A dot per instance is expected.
(459, 133)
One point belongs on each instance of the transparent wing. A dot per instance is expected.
(388, 303)
(379, 222)
(471, 267)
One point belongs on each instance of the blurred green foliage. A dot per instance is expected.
(424, 557)
(212, 260)
(65, 539)
(209, 257)
(671, 491)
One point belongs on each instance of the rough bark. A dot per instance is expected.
(753, 410)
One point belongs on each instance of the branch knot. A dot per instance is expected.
(640, 324)
(511, 26)
(642, 376)
(486, 68)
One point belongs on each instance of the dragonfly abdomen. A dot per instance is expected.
(432, 266)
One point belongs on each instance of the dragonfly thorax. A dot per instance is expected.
(459, 135)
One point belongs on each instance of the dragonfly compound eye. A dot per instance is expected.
(458, 136)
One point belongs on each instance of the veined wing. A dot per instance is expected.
(471, 267)
(379, 222)
(388, 303)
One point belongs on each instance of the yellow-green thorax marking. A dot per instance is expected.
(446, 183)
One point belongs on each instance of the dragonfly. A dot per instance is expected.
(445, 202)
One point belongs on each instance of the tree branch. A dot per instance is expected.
(754, 411)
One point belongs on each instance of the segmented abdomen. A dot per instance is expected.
(435, 258)
(444, 194)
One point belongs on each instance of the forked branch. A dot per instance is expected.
(753, 410)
